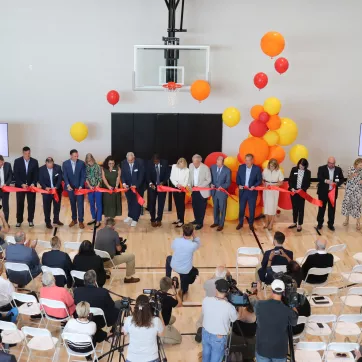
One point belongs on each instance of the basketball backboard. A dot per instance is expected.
(155, 65)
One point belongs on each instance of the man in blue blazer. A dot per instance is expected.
(26, 173)
(50, 177)
(250, 176)
(157, 173)
(74, 177)
(132, 174)
(220, 177)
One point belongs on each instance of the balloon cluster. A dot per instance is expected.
(272, 44)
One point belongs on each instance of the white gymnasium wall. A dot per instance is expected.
(59, 59)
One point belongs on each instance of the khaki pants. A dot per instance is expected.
(128, 258)
(171, 335)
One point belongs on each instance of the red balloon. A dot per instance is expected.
(212, 157)
(240, 159)
(257, 128)
(284, 201)
(233, 186)
(281, 65)
(113, 97)
(264, 117)
(260, 80)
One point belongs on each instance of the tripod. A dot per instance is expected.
(234, 348)
(291, 346)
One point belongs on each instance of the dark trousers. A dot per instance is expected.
(179, 198)
(298, 209)
(153, 196)
(76, 203)
(134, 208)
(20, 200)
(247, 197)
(185, 279)
(48, 200)
(322, 211)
(4, 196)
(199, 204)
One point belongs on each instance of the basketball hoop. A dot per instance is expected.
(172, 89)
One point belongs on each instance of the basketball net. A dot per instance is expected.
(172, 89)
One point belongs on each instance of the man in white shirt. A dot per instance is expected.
(218, 314)
(6, 291)
(200, 176)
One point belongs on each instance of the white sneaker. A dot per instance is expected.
(134, 223)
(127, 219)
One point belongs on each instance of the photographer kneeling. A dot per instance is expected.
(171, 334)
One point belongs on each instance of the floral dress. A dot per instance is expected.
(351, 205)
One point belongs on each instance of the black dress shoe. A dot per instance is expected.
(59, 223)
(49, 226)
(292, 226)
(194, 222)
(31, 224)
(331, 227)
(239, 226)
(180, 225)
(251, 227)
(319, 227)
(199, 227)
(91, 222)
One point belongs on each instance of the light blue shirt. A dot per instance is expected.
(50, 171)
(183, 251)
(247, 175)
(73, 165)
(26, 165)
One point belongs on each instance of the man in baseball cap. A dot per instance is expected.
(278, 287)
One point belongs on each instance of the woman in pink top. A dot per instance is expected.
(50, 291)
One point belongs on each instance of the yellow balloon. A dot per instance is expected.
(297, 152)
(232, 163)
(272, 106)
(271, 138)
(281, 169)
(232, 209)
(288, 132)
(231, 116)
(79, 131)
(265, 164)
(250, 135)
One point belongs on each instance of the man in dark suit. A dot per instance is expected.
(157, 174)
(249, 176)
(5, 357)
(329, 176)
(26, 173)
(6, 176)
(50, 177)
(74, 177)
(220, 177)
(133, 175)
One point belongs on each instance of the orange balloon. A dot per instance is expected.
(274, 123)
(188, 198)
(257, 147)
(256, 110)
(200, 90)
(258, 211)
(272, 43)
(276, 152)
(233, 176)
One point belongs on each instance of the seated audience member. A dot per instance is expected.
(108, 240)
(321, 259)
(6, 291)
(171, 334)
(293, 270)
(58, 259)
(209, 286)
(97, 298)
(50, 291)
(23, 252)
(87, 259)
(182, 259)
(6, 357)
(280, 256)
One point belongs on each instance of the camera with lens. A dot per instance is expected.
(123, 244)
(125, 303)
(155, 300)
(291, 297)
(235, 296)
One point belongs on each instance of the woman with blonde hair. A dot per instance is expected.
(180, 178)
(93, 180)
(272, 176)
(351, 205)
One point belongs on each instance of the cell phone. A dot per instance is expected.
(254, 285)
(340, 355)
(277, 252)
(147, 291)
(318, 298)
(320, 325)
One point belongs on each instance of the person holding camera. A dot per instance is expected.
(143, 329)
(274, 320)
(218, 313)
(171, 335)
(108, 240)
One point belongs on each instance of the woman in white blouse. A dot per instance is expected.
(180, 178)
(272, 176)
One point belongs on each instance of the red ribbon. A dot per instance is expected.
(332, 195)
(140, 199)
(32, 189)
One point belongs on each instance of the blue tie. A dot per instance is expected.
(157, 175)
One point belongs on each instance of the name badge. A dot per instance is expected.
(56, 175)
(135, 170)
(295, 173)
(114, 170)
(337, 179)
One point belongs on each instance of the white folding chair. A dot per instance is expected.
(10, 239)
(358, 257)
(74, 339)
(247, 257)
(353, 298)
(301, 259)
(325, 292)
(279, 268)
(105, 255)
(77, 274)
(41, 340)
(18, 267)
(347, 325)
(309, 351)
(313, 329)
(72, 245)
(354, 276)
(54, 304)
(29, 307)
(99, 312)
(335, 249)
(10, 335)
(301, 320)
(317, 271)
(335, 347)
